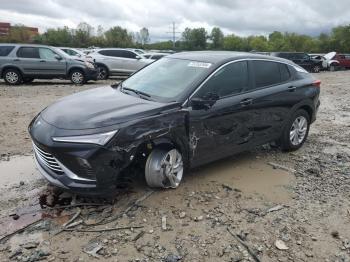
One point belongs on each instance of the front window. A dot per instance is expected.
(166, 79)
(47, 54)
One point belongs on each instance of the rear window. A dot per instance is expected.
(270, 73)
(118, 53)
(28, 52)
(5, 50)
(285, 73)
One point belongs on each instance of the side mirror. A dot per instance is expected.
(138, 57)
(58, 57)
(207, 102)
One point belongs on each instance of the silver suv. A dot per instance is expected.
(21, 63)
(118, 62)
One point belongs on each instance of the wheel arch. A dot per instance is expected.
(76, 68)
(6, 67)
(102, 64)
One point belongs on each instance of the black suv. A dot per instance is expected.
(179, 112)
(302, 59)
(21, 63)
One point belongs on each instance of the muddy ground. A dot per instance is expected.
(236, 209)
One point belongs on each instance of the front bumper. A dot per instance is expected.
(81, 168)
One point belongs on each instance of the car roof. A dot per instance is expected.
(219, 57)
(31, 45)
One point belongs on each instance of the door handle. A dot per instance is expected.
(292, 88)
(246, 102)
(16, 59)
(42, 61)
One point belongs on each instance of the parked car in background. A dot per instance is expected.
(118, 62)
(327, 60)
(301, 59)
(344, 60)
(76, 53)
(22, 63)
(179, 112)
(154, 56)
(137, 50)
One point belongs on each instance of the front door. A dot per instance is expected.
(50, 63)
(221, 129)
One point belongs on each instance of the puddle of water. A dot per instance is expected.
(250, 175)
(18, 168)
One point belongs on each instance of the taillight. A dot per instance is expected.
(316, 83)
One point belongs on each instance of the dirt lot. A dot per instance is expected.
(237, 209)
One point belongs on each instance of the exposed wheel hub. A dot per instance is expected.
(298, 130)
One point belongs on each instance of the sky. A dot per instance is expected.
(241, 17)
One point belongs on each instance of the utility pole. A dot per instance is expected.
(173, 32)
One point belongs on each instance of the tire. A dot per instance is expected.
(102, 72)
(164, 168)
(13, 77)
(332, 68)
(28, 80)
(77, 77)
(316, 69)
(289, 142)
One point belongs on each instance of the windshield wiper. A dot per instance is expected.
(136, 91)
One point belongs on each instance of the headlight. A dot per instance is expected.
(98, 139)
(89, 65)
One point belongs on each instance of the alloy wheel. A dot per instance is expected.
(298, 130)
(316, 69)
(164, 169)
(77, 78)
(12, 77)
(102, 73)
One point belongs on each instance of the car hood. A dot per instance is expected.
(100, 107)
(330, 55)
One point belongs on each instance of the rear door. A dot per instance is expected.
(273, 94)
(28, 60)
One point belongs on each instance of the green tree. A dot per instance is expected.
(118, 37)
(195, 39)
(217, 36)
(233, 43)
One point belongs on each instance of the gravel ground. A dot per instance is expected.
(218, 211)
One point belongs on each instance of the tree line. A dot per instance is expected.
(192, 39)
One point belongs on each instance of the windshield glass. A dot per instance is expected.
(166, 78)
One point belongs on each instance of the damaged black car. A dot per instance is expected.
(179, 112)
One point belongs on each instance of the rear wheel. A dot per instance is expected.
(102, 72)
(164, 168)
(77, 77)
(296, 131)
(12, 77)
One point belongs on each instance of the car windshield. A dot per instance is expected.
(167, 78)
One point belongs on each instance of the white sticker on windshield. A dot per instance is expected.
(199, 64)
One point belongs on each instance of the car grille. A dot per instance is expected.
(47, 159)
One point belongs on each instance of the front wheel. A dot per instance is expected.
(316, 69)
(164, 168)
(77, 77)
(296, 131)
